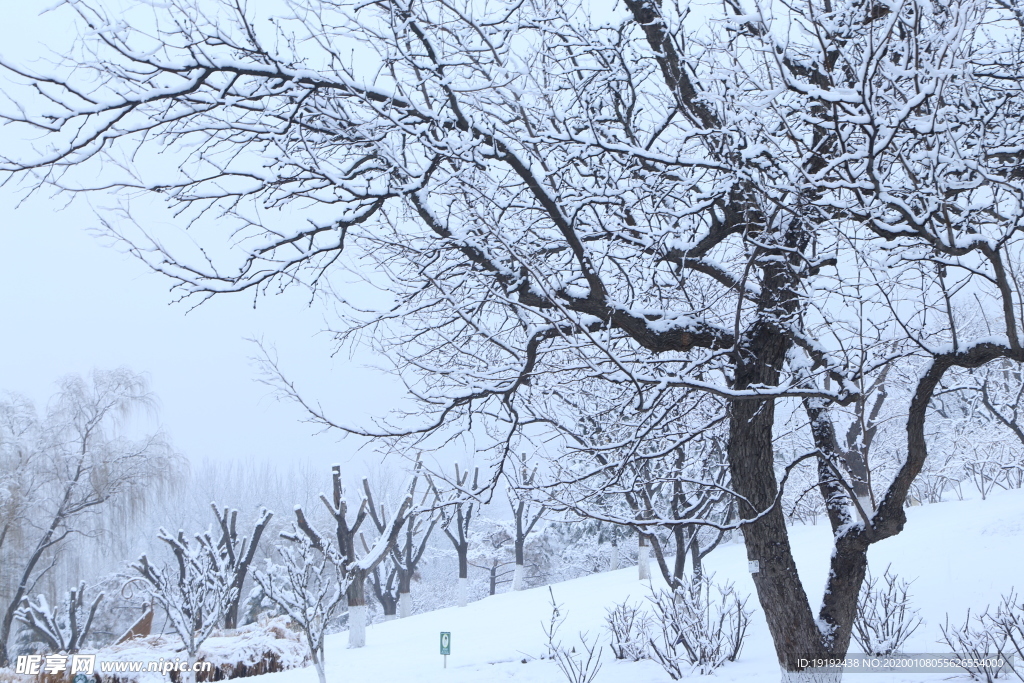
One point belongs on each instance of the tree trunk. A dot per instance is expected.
(189, 676)
(390, 606)
(357, 611)
(356, 626)
(517, 575)
(643, 560)
(614, 563)
(404, 593)
(44, 544)
(404, 605)
(791, 622)
(463, 588)
(319, 666)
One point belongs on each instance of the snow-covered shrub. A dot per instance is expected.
(884, 618)
(994, 633)
(702, 626)
(984, 467)
(577, 667)
(1013, 471)
(938, 475)
(629, 626)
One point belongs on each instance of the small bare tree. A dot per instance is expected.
(702, 626)
(526, 512)
(308, 586)
(629, 626)
(885, 618)
(195, 594)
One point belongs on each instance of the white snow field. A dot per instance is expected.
(959, 555)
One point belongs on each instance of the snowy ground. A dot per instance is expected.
(959, 555)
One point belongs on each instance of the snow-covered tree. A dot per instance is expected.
(239, 554)
(60, 472)
(490, 546)
(526, 512)
(391, 581)
(456, 507)
(355, 567)
(309, 586)
(194, 593)
(65, 627)
(663, 199)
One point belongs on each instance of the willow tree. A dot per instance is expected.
(659, 200)
(66, 469)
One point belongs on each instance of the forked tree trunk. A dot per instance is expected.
(752, 466)
(390, 607)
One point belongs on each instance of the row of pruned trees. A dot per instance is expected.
(669, 498)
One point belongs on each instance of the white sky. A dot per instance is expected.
(69, 304)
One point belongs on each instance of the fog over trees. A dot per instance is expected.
(712, 264)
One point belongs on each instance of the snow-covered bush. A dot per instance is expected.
(577, 667)
(885, 618)
(702, 626)
(993, 633)
(629, 626)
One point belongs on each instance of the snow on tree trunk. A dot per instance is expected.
(644, 559)
(614, 564)
(319, 666)
(866, 506)
(463, 591)
(404, 605)
(189, 676)
(517, 578)
(356, 626)
(389, 617)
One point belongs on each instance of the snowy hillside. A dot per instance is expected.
(958, 555)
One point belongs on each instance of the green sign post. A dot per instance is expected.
(446, 646)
